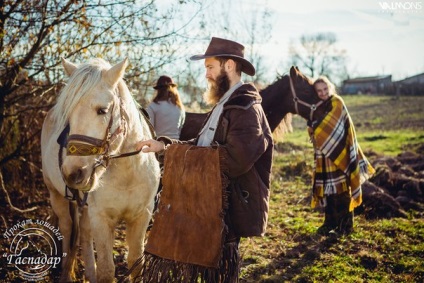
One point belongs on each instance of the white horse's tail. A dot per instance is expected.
(70, 265)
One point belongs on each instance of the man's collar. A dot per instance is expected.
(225, 97)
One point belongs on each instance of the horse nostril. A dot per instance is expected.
(76, 177)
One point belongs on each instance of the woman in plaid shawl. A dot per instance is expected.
(340, 165)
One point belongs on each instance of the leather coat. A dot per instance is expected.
(247, 148)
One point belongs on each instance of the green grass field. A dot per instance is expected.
(386, 250)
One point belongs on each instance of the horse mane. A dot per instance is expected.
(83, 79)
(285, 125)
(276, 84)
(132, 108)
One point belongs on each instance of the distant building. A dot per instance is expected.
(368, 85)
(410, 86)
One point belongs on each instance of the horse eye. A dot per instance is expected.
(101, 111)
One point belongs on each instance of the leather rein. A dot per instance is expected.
(297, 100)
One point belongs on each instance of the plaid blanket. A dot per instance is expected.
(340, 164)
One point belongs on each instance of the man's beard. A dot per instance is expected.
(217, 88)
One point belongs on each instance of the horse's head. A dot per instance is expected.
(305, 101)
(292, 93)
(91, 105)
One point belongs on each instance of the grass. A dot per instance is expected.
(378, 250)
(392, 143)
(385, 250)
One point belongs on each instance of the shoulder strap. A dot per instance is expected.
(145, 116)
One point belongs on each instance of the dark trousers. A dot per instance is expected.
(337, 214)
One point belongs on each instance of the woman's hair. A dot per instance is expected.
(330, 85)
(169, 93)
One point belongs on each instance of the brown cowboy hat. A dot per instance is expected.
(219, 47)
(164, 81)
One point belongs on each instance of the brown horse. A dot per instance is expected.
(292, 93)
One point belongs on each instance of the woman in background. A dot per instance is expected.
(166, 111)
(340, 165)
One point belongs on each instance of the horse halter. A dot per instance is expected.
(296, 100)
(81, 145)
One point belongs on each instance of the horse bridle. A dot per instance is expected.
(296, 100)
(82, 145)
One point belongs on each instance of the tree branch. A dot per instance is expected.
(4, 196)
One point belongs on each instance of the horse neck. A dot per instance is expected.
(136, 127)
(275, 101)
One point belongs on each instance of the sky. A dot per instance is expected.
(380, 37)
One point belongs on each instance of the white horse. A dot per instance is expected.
(103, 122)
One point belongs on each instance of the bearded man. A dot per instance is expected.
(238, 126)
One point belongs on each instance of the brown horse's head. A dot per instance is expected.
(279, 99)
(305, 100)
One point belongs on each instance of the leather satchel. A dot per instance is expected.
(188, 233)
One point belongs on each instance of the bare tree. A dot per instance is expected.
(319, 55)
(35, 34)
(259, 31)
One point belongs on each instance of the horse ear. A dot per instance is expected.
(68, 66)
(114, 74)
(293, 71)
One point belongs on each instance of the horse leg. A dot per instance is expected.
(87, 248)
(136, 231)
(103, 233)
(61, 208)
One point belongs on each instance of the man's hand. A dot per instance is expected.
(150, 146)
